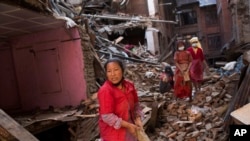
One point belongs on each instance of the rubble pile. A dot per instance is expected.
(146, 77)
(170, 118)
(166, 118)
(201, 119)
(87, 114)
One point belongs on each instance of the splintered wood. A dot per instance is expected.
(14, 128)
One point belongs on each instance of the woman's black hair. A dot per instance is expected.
(118, 61)
(168, 70)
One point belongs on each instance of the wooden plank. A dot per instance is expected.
(242, 114)
(167, 53)
(14, 128)
(120, 47)
(123, 18)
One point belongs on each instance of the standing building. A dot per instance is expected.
(225, 20)
(199, 18)
(240, 14)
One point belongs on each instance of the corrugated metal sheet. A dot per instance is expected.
(202, 3)
(207, 2)
(184, 2)
(18, 21)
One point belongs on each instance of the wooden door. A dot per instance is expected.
(9, 97)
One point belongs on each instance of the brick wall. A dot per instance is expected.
(137, 7)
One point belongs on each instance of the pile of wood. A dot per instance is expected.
(86, 127)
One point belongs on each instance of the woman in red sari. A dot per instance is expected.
(120, 115)
(183, 60)
(197, 68)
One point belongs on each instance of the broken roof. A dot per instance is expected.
(17, 21)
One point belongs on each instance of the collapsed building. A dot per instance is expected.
(50, 55)
(53, 53)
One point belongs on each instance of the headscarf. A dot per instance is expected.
(195, 39)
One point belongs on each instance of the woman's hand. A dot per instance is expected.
(138, 122)
(132, 128)
(183, 71)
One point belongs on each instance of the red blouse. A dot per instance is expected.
(182, 57)
(198, 55)
(122, 104)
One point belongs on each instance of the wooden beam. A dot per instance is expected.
(120, 47)
(18, 131)
(135, 19)
(167, 53)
